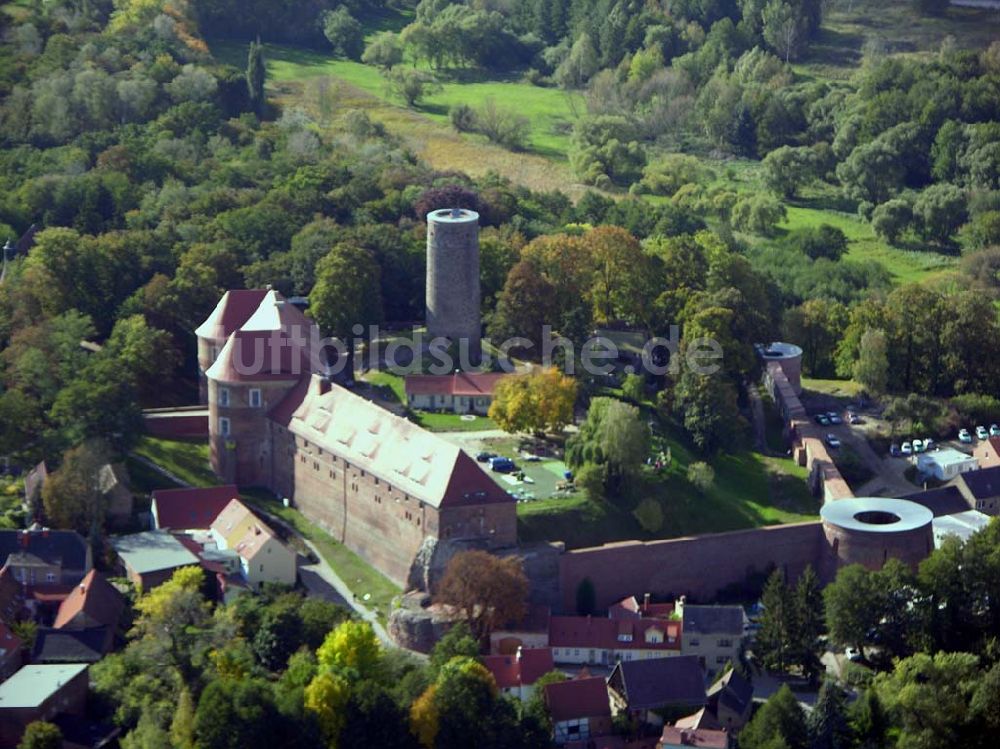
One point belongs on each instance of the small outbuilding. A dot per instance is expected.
(945, 464)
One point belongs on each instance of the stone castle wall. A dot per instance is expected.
(698, 566)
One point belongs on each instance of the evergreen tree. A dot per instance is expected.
(827, 723)
(868, 721)
(256, 75)
(775, 642)
(809, 622)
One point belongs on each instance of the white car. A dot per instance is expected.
(853, 654)
(906, 448)
(832, 441)
(964, 436)
(994, 430)
(981, 433)
(918, 446)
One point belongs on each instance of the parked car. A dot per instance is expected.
(853, 654)
(918, 446)
(501, 464)
(832, 441)
(994, 430)
(485, 457)
(964, 436)
(822, 419)
(834, 417)
(894, 450)
(906, 448)
(855, 419)
(981, 433)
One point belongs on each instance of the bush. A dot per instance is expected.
(758, 214)
(821, 241)
(649, 514)
(976, 408)
(463, 118)
(502, 126)
(702, 476)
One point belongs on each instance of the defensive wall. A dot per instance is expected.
(186, 422)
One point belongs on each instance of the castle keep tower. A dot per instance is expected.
(453, 304)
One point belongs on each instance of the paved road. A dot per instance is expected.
(321, 580)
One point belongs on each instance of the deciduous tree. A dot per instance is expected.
(486, 591)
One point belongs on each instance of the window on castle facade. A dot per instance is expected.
(256, 401)
(224, 426)
(224, 397)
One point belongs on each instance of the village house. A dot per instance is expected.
(981, 489)
(112, 482)
(150, 558)
(580, 709)
(70, 645)
(712, 633)
(40, 692)
(945, 464)
(730, 700)
(531, 632)
(604, 641)
(516, 674)
(43, 558)
(651, 690)
(262, 555)
(460, 392)
(190, 508)
(674, 737)
(987, 453)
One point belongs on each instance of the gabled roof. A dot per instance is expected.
(152, 551)
(733, 691)
(983, 483)
(259, 356)
(522, 669)
(612, 634)
(945, 500)
(712, 620)
(244, 532)
(32, 685)
(417, 462)
(701, 719)
(232, 311)
(657, 682)
(578, 698)
(191, 509)
(694, 737)
(96, 598)
(63, 548)
(630, 608)
(70, 646)
(460, 383)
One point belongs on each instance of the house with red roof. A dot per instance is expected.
(516, 674)
(580, 709)
(190, 509)
(460, 392)
(674, 737)
(605, 641)
(93, 603)
(263, 557)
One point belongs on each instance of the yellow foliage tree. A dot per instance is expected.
(351, 646)
(425, 718)
(327, 696)
(538, 402)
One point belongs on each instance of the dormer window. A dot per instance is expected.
(224, 397)
(624, 637)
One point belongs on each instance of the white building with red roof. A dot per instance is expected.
(461, 392)
(516, 674)
(264, 558)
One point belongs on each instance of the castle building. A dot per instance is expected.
(453, 294)
(392, 492)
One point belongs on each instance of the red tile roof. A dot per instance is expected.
(95, 598)
(191, 509)
(460, 383)
(578, 698)
(522, 669)
(701, 719)
(703, 737)
(232, 311)
(596, 632)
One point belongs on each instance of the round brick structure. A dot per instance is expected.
(869, 530)
(453, 301)
(789, 358)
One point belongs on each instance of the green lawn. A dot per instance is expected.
(750, 490)
(188, 460)
(839, 388)
(551, 111)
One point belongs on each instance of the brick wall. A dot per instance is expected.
(696, 566)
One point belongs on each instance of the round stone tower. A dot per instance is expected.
(453, 278)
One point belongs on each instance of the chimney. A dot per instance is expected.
(518, 655)
(645, 602)
(25, 538)
(679, 607)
